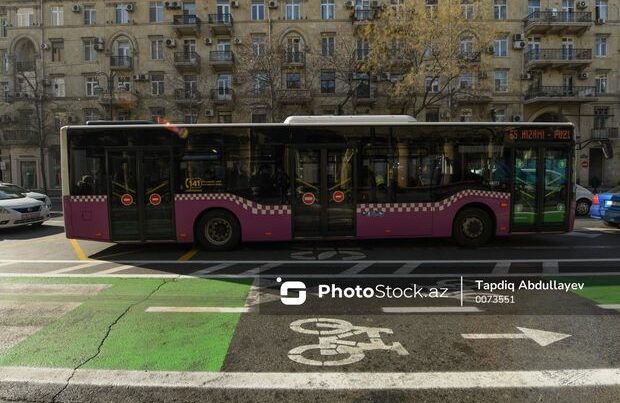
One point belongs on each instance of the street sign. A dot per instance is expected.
(127, 199)
(308, 198)
(542, 337)
(155, 199)
(338, 196)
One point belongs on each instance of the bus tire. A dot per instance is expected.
(472, 227)
(218, 230)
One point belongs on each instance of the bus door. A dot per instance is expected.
(140, 195)
(541, 187)
(324, 194)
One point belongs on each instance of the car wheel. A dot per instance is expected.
(472, 227)
(583, 207)
(218, 230)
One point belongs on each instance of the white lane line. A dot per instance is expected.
(115, 270)
(52, 289)
(551, 267)
(567, 378)
(6, 263)
(211, 269)
(199, 309)
(502, 267)
(355, 269)
(260, 269)
(582, 234)
(603, 229)
(407, 268)
(71, 268)
(609, 306)
(430, 309)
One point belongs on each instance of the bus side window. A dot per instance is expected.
(376, 176)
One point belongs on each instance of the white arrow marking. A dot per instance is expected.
(541, 337)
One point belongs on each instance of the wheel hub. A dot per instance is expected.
(218, 231)
(473, 227)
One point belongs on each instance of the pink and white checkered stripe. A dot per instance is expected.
(89, 198)
(254, 208)
(430, 206)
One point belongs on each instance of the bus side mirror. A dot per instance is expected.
(608, 150)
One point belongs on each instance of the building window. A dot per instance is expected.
(466, 46)
(362, 49)
(601, 10)
(157, 84)
(501, 80)
(601, 116)
(91, 114)
(500, 46)
(431, 7)
(57, 16)
(3, 26)
(4, 67)
(260, 81)
(466, 115)
(190, 118)
(293, 80)
(533, 6)
(259, 117)
(90, 15)
(258, 45)
(499, 9)
(224, 117)
(156, 11)
(431, 84)
(89, 50)
(123, 114)
(158, 114)
(58, 46)
(25, 17)
(123, 83)
(121, 15)
(258, 10)
(328, 45)
(467, 8)
(328, 82)
(92, 84)
(432, 115)
(466, 81)
(293, 10)
(328, 9)
(157, 49)
(58, 87)
(499, 115)
(600, 83)
(601, 46)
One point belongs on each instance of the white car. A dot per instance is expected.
(584, 200)
(17, 208)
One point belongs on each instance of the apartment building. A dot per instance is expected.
(67, 62)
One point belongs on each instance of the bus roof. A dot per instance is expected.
(357, 119)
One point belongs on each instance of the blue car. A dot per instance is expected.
(601, 202)
(612, 213)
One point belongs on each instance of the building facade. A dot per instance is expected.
(67, 62)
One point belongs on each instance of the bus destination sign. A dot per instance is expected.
(539, 134)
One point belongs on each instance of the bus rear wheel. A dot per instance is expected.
(218, 230)
(473, 227)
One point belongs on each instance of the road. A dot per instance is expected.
(88, 321)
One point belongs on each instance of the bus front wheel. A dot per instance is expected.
(473, 227)
(218, 230)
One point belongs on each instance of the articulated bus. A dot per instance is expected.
(316, 177)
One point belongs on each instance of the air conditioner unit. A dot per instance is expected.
(599, 21)
(374, 4)
(176, 4)
(518, 45)
(237, 41)
(516, 118)
(99, 40)
(208, 41)
(234, 4)
(124, 86)
(168, 4)
(526, 76)
(582, 4)
(99, 46)
(45, 46)
(584, 76)
(273, 4)
(130, 7)
(76, 8)
(491, 50)
(349, 4)
(140, 77)
(518, 37)
(210, 113)
(171, 43)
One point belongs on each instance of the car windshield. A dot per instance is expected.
(15, 188)
(9, 192)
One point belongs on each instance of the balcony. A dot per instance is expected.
(557, 94)
(187, 61)
(294, 96)
(558, 22)
(222, 95)
(185, 96)
(25, 66)
(120, 98)
(294, 58)
(469, 56)
(558, 58)
(121, 62)
(604, 133)
(221, 59)
(221, 24)
(19, 137)
(186, 24)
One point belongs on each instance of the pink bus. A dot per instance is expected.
(316, 177)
